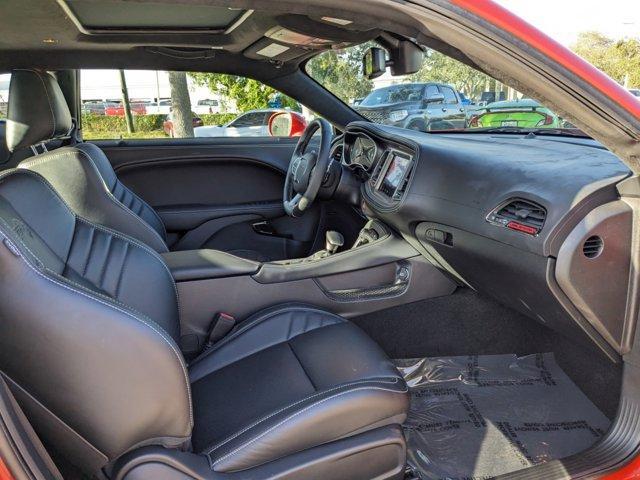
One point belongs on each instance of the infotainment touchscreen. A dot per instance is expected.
(395, 173)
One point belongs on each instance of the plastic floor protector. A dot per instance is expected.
(476, 417)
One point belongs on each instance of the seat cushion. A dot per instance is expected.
(287, 379)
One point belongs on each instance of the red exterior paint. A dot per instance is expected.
(507, 21)
(5, 474)
(297, 123)
(630, 471)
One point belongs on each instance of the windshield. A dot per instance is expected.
(444, 95)
(393, 94)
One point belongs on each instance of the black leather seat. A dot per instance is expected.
(81, 173)
(89, 327)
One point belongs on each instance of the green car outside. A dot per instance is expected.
(524, 113)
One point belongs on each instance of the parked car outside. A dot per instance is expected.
(635, 91)
(94, 107)
(208, 105)
(525, 113)
(167, 125)
(253, 123)
(417, 106)
(161, 108)
(464, 100)
(118, 109)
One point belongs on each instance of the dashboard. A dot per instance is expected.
(529, 220)
(386, 166)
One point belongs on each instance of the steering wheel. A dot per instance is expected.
(307, 169)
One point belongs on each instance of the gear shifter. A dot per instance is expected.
(334, 240)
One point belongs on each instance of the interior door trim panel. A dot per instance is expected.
(187, 217)
(275, 152)
(210, 191)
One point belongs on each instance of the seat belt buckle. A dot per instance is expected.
(221, 325)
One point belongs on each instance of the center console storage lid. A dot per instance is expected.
(205, 263)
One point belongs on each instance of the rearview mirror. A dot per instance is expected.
(435, 98)
(374, 62)
(405, 58)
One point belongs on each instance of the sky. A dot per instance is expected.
(564, 19)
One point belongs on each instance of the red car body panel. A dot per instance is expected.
(630, 471)
(5, 474)
(119, 110)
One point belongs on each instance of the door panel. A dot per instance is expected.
(210, 192)
(212, 180)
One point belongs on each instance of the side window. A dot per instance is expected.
(5, 79)
(161, 104)
(449, 95)
(430, 90)
(253, 119)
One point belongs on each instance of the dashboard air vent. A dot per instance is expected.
(521, 215)
(592, 246)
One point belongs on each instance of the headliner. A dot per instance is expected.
(208, 35)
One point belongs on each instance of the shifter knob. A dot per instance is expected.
(334, 240)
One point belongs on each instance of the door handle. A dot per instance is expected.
(266, 228)
(444, 109)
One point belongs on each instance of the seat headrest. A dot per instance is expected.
(37, 109)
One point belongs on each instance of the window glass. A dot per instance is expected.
(407, 101)
(5, 78)
(393, 94)
(431, 90)
(449, 96)
(255, 119)
(163, 104)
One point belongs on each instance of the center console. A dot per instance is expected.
(375, 273)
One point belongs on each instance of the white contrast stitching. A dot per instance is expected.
(115, 233)
(250, 323)
(46, 158)
(93, 296)
(142, 246)
(266, 316)
(324, 392)
(290, 417)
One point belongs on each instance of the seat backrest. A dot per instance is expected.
(89, 327)
(81, 174)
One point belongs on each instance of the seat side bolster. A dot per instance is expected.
(76, 178)
(140, 207)
(320, 418)
(113, 376)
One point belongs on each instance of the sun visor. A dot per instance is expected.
(268, 49)
(160, 16)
